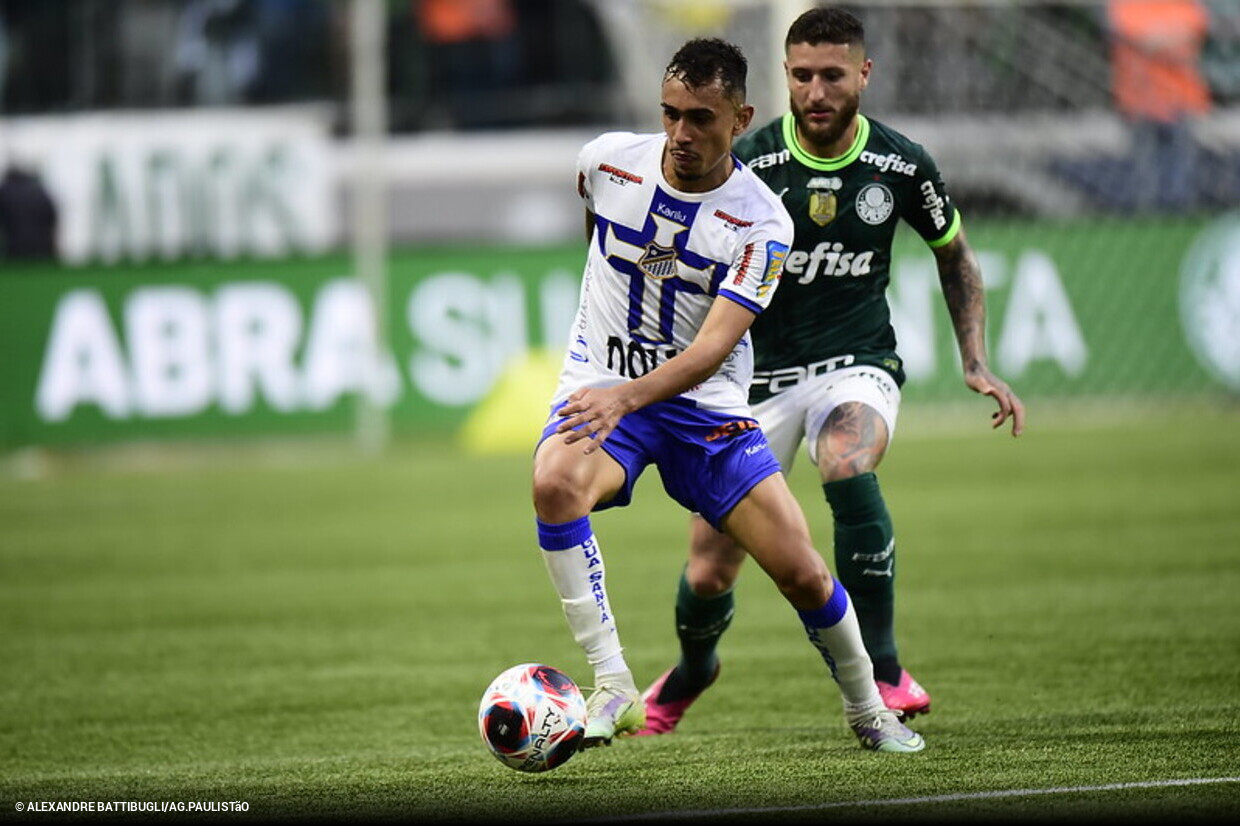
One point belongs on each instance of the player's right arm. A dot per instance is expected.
(935, 218)
(961, 280)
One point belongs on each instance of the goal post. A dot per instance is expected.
(369, 218)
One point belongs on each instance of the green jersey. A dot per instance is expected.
(831, 308)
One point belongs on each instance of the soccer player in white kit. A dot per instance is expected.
(686, 249)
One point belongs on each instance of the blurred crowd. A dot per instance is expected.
(498, 63)
(451, 63)
(1158, 67)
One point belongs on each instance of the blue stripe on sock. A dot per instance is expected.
(564, 536)
(830, 613)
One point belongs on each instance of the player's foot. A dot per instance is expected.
(883, 731)
(906, 696)
(662, 717)
(612, 711)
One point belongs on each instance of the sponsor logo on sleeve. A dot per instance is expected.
(775, 255)
(933, 204)
(743, 269)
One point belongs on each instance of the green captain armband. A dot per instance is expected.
(951, 233)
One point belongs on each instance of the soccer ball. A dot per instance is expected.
(532, 717)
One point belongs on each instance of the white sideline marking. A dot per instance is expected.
(910, 801)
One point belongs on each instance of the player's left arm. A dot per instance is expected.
(961, 279)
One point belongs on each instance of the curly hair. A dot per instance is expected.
(704, 60)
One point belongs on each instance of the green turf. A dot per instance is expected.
(309, 632)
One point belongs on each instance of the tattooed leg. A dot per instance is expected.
(850, 446)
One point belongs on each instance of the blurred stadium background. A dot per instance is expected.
(289, 233)
(234, 181)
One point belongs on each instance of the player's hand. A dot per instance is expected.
(592, 413)
(981, 380)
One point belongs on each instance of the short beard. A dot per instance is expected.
(819, 136)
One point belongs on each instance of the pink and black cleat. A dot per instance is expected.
(661, 718)
(906, 697)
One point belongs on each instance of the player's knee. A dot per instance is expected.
(852, 441)
(834, 469)
(804, 585)
(714, 561)
(709, 579)
(558, 497)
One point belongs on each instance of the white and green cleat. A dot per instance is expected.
(611, 712)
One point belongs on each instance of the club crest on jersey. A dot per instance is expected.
(875, 204)
(658, 261)
(823, 204)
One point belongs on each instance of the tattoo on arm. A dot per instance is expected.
(961, 280)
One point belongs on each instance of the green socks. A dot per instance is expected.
(865, 563)
(700, 622)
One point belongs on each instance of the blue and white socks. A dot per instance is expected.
(575, 563)
(835, 632)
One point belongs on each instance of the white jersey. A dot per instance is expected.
(657, 260)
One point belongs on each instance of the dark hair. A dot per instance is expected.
(826, 25)
(703, 60)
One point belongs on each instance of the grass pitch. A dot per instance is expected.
(309, 632)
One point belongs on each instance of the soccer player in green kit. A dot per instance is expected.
(826, 366)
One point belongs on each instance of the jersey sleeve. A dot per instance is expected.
(587, 162)
(930, 211)
(756, 270)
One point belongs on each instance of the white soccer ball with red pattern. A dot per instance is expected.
(532, 717)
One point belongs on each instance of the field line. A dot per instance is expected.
(915, 801)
